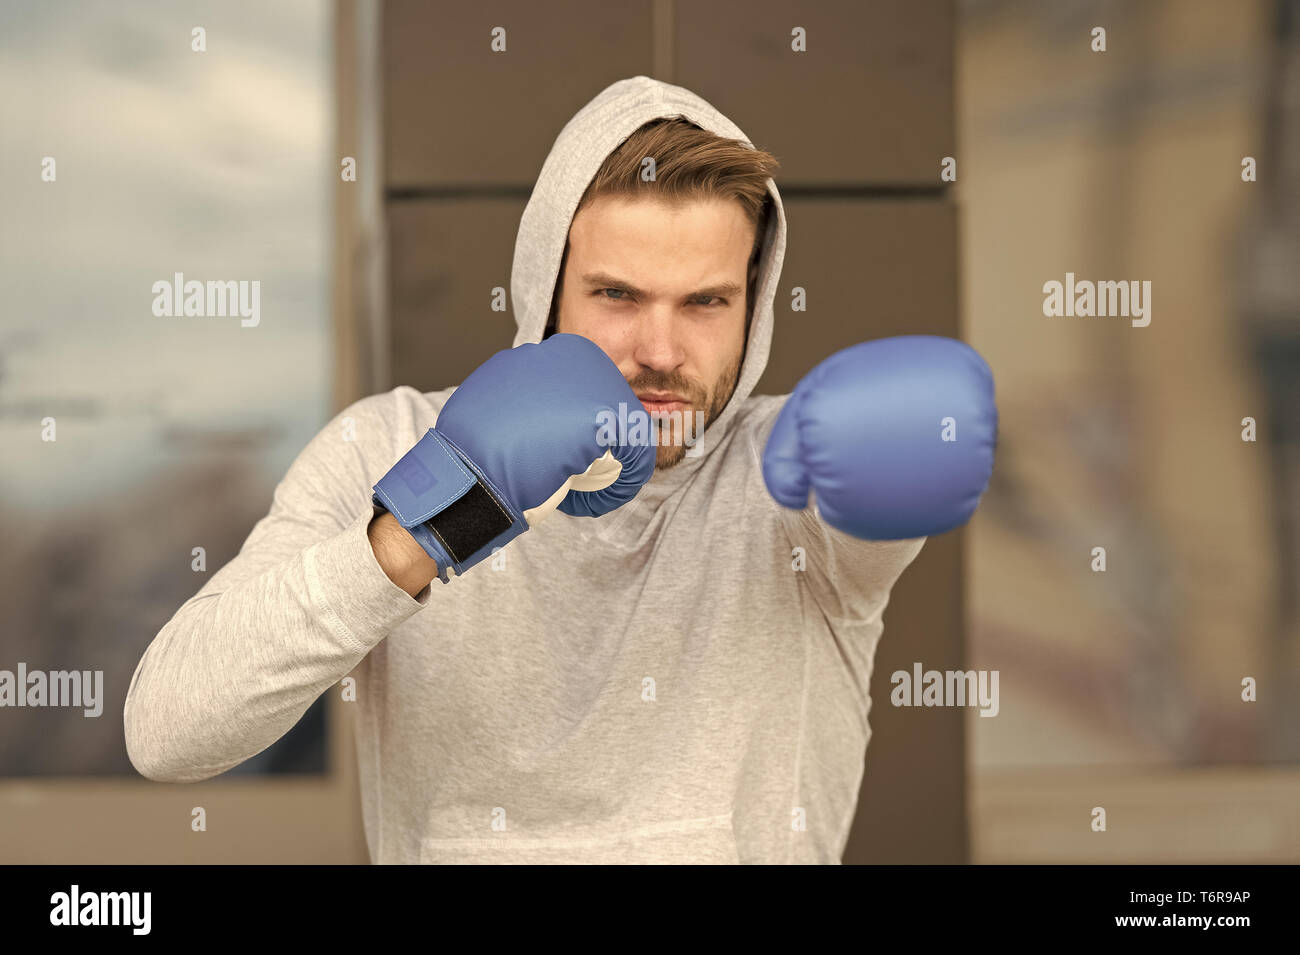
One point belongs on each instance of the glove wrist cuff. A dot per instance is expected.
(447, 504)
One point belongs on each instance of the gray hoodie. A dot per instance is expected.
(684, 679)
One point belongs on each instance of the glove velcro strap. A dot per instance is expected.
(469, 523)
(451, 509)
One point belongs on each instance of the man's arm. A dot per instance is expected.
(850, 579)
(881, 445)
(324, 577)
(301, 605)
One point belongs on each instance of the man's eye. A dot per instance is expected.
(713, 301)
(616, 291)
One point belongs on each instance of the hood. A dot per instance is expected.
(592, 134)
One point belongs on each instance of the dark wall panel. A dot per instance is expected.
(870, 102)
(445, 258)
(458, 113)
(871, 268)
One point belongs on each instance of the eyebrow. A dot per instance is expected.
(605, 280)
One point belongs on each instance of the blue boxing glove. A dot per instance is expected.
(895, 437)
(519, 438)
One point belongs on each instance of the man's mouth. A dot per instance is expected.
(662, 402)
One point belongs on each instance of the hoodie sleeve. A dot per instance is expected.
(850, 579)
(299, 607)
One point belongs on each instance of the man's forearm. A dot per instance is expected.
(240, 662)
(402, 559)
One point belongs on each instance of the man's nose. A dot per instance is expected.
(658, 340)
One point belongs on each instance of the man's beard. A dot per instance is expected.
(672, 448)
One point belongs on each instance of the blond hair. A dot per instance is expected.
(690, 163)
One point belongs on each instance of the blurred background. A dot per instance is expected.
(1119, 688)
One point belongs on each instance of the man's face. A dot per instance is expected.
(662, 289)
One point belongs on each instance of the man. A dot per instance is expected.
(674, 667)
